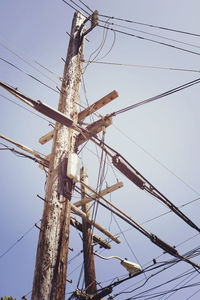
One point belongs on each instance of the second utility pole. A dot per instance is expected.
(52, 253)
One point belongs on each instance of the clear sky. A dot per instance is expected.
(160, 139)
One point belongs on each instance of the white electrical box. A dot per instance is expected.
(73, 167)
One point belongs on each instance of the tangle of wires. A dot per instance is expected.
(155, 270)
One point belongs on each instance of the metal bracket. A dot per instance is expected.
(94, 21)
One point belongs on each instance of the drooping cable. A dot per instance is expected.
(98, 50)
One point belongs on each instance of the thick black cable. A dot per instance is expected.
(154, 26)
(151, 189)
(151, 99)
(150, 40)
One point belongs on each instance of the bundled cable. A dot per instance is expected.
(167, 93)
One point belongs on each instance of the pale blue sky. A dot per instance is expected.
(160, 139)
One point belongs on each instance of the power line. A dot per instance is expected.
(31, 76)
(30, 58)
(98, 50)
(138, 179)
(156, 160)
(193, 294)
(151, 40)
(167, 93)
(141, 66)
(28, 63)
(18, 240)
(183, 281)
(152, 34)
(86, 6)
(21, 154)
(150, 25)
(75, 7)
(167, 265)
(50, 123)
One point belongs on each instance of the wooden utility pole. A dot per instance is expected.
(89, 267)
(52, 253)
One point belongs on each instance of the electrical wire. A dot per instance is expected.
(97, 50)
(28, 63)
(151, 189)
(183, 281)
(126, 241)
(76, 5)
(18, 240)
(144, 282)
(152, 34)
(153, 26)
(33, 59)
(99, 184)
(193, 294)
(86, 6)
(142, 66)
(50, 123)
(156, 160)
(29, 75)
(80, 6)
(151, 99)
(108, 52)
(42, 162)
(155, 295)
(168, 264)
(150, 40)
(153, 238)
